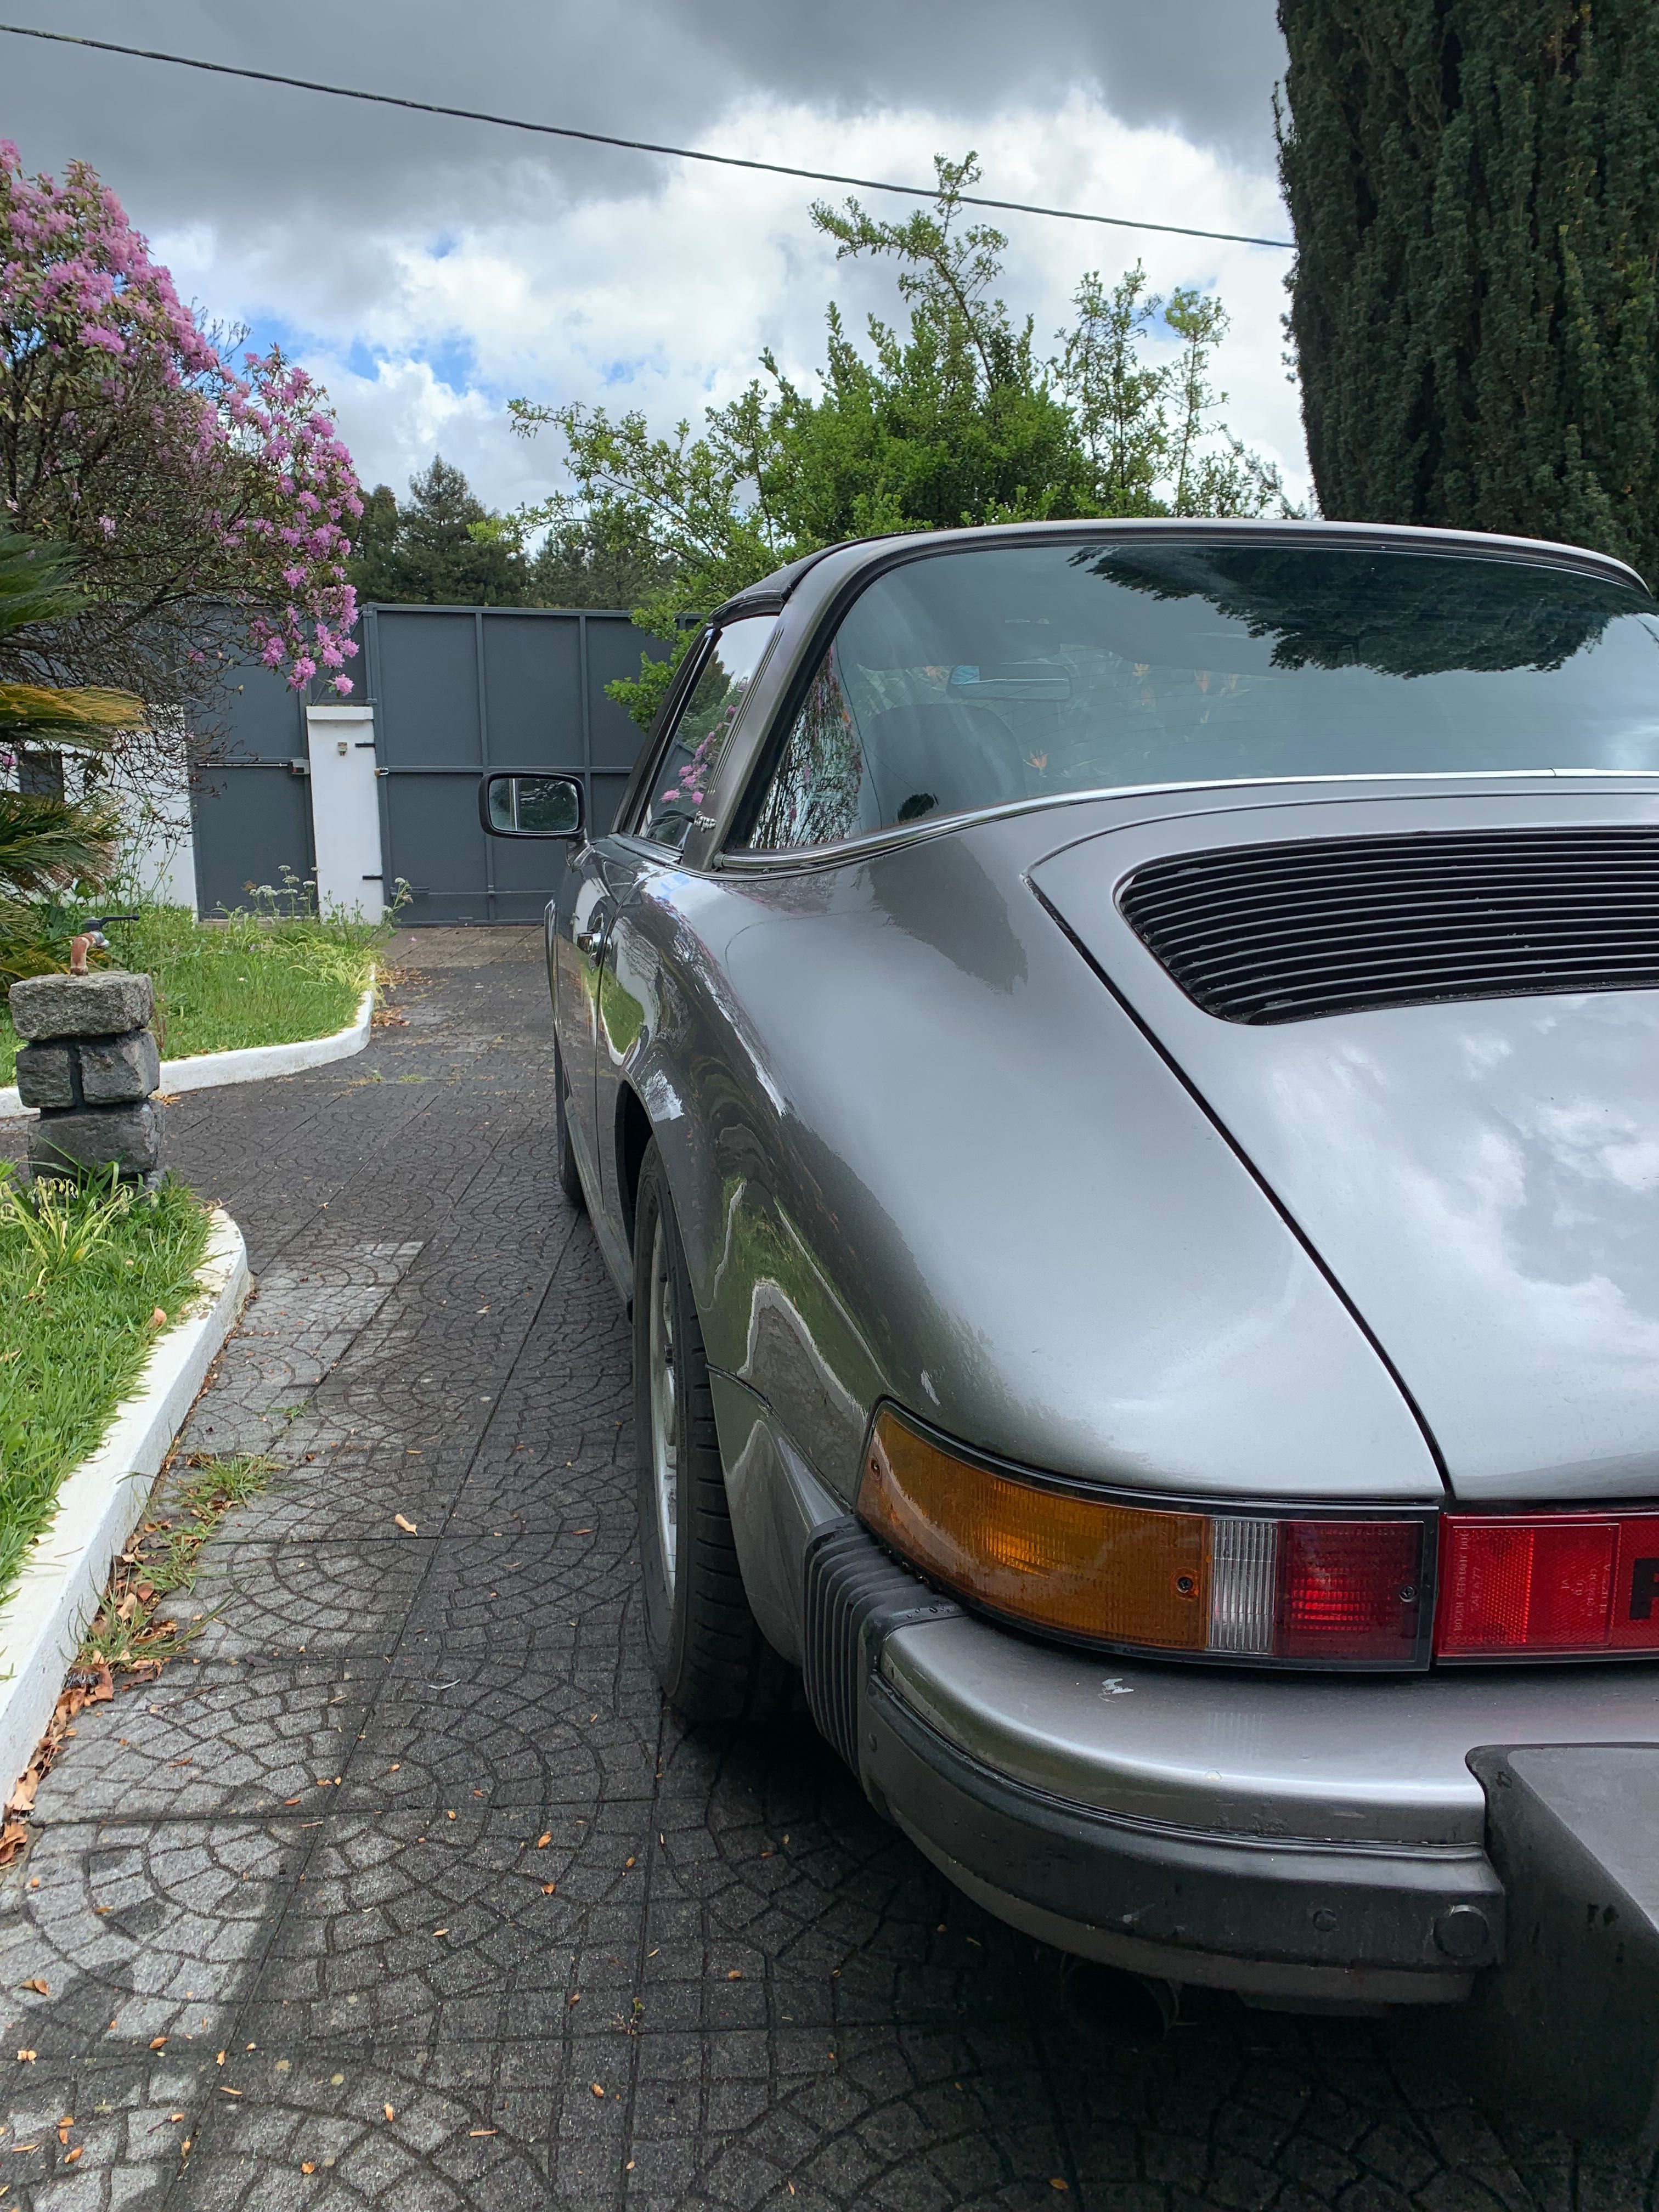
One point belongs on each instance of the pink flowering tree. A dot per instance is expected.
(208, 505)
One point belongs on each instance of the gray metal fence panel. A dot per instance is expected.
(251, 808)
(455, 690)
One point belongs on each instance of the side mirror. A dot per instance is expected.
(531, 806)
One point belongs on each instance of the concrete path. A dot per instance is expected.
(402, 1891)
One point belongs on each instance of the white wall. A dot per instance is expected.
(160, 853)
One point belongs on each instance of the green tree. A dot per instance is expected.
(1475, 189)
(438, 549)
(598, 557)
(953, 419)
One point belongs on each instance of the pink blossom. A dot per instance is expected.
(86, 310)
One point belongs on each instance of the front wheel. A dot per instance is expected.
(710, 1656)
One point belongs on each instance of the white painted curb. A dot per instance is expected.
(101, 1502)
(203, 1070)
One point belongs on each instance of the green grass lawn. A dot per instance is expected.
(252, 979)
(82, 1278)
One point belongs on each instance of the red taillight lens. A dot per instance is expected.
(1348, 1589)
(1558, 1585)
(1227, 1586)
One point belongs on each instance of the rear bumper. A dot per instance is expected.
(1286, 1920)
(1295, 1838)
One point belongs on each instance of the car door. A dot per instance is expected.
(688, 760)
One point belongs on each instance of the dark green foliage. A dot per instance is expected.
(1475, 189)
(598, 557)
(428, 552)
(445, 548)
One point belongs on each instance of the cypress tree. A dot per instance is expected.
(1475, 189)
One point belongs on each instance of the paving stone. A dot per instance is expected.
(782, 2003)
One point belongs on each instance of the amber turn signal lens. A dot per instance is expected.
(1082, 1567)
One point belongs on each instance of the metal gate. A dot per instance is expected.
(459, 689)
(454, 690)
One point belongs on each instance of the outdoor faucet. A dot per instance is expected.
(92, 939)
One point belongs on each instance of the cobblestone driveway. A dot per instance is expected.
(404, 1891)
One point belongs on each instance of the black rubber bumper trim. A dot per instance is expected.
(1240, 1897)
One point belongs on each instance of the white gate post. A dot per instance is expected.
(345, 810)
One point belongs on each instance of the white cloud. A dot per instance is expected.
(422, 326)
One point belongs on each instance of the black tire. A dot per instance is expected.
(570, 1182)
(710, 1656)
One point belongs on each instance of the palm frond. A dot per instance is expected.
(86, 717)
(48, 843)
(37, 582)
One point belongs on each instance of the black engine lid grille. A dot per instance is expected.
(1282, 932)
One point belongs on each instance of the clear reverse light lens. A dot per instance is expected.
(1244, 1583)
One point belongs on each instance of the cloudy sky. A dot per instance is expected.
(429, 270)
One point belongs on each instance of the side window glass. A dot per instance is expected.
(686, 774)
(815, 794)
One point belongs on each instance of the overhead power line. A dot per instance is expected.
(637, 145)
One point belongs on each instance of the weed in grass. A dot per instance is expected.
(63, 1223)
(189, 1504)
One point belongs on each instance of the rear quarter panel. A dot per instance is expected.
(917, 1151)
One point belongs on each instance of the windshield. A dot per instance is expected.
(998, 673)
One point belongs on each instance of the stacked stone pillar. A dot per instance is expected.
(89, 1062)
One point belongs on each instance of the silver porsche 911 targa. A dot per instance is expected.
(1117, 1067)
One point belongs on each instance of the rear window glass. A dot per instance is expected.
(997, 674)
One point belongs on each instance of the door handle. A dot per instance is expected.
(591, 940)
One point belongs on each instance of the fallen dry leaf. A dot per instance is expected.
(308, 2166)
(548, 1888)
(37, 1986)
(74, 2154)
(387, 2110)
(158, 1319)
(542, 1842)
(408, 1527)
(219, 2060)
(1055, 2182)
(156, 2041)
(598, 2091)
(26, 2058)
(734, 1976)
(481, 2131)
